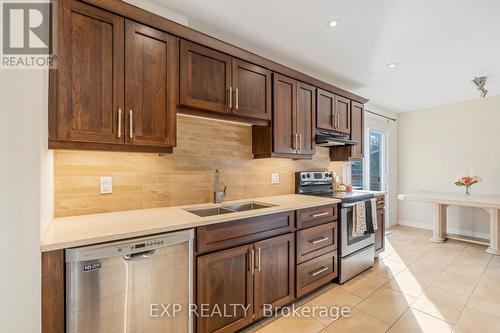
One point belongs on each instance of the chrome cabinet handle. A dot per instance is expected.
(338, 121)
(119, 122)
(320, 214)
(319, 240)
(319, 271)
(252, 261)
(230, 97)
(237, 93)
(131, 123)
(259, 261)
(300, 142)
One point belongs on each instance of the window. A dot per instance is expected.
(357, 174)
(368, 173)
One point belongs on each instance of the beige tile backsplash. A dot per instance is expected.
(185, 177)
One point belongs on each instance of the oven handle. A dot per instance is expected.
(345, 205)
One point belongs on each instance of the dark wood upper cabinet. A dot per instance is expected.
(357, 129)
(292, 130)
(325, 115)
(252, 90)
(333, 112)
(343, 112)
(214, 81)
(225, 278)
(284, 114)
(306, 118)
(205, 78)
(274, 274)
(97, 100)
(87, 89)
(150, 86)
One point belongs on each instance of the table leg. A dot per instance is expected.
(439, 235)
(494, 247)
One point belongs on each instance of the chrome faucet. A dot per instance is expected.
(218, 193)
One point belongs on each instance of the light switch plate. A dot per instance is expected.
(106, 184)
(275, 178)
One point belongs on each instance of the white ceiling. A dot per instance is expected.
(439, 45)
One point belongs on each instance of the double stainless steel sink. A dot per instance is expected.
(234, 208)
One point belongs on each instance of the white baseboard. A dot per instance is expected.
(464, 232)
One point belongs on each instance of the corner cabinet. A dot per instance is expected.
(213, 81)
(292, 131)
(115, 86)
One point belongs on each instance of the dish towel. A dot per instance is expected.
(374, 213)
(359, 225)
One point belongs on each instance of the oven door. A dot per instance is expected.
(348, 243)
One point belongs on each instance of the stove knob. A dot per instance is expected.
(303, 176)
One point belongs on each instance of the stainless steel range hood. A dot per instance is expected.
(326, 138)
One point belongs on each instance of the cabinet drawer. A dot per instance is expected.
(316, 273)
(380, 202)
(317, 215)
(228, 234)
(316, 241)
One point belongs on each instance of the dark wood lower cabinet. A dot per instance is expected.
(274, 276)
(53, 292)
(250, 275)
(380, 232)
(225, 278)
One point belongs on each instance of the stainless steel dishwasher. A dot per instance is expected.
(125, 287)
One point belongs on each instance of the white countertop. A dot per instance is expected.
(454, 199)
(66, 232)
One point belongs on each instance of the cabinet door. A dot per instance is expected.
(274, 274)
(306, 116)
(150, 86)
(284, 113)
(357, 129)
(225, 278)
(343, 112)
(89, 75)
(252, 90)
(205, 78)
(380, 232)
(325, 114)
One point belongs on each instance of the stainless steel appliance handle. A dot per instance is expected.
(319, 271)
(259, 257)
(131, 121)
(320, 214)
(230, 97)
(237, 93)
(138, 255)
(119, 122)
(251, 267)
(319, 240)
(345, 205)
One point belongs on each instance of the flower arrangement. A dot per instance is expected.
(467, 181)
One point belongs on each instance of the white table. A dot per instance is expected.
(441, 201)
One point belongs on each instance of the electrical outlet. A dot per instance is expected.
(275, 178)
(106, 184)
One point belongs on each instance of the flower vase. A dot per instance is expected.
(467, 190)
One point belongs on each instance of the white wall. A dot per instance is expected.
(440, 143)
(21, 127)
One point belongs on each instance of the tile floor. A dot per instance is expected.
(416, 286)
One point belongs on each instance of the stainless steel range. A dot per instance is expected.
(356, 253)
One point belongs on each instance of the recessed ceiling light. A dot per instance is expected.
(333, 23)
(392, 65)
